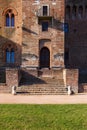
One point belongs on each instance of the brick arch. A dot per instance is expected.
(45, 43)
(9, 45)
(14, 11)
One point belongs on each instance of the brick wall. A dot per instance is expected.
(10, 35)
(34, 38)
(12, 77)
(4, 88)
(76, 39)
(71, 79)
(57, 73)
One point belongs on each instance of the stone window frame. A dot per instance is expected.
(48, 11)
(13, 12)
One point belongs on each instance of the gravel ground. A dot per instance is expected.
(43, 99)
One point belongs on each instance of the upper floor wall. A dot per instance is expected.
(34, 12)
(11, 20)
(76, 10)
(10, 32)
(43, 21)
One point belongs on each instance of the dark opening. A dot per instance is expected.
(45, 11)
(45, 58)
(45, 26)
(7, 20)
(68, 11)
(67, 57)
(74, 10)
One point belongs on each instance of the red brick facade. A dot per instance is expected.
(43, 38)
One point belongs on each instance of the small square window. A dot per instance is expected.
(45, 26)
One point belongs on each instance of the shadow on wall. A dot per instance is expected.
(83, 76)
(2, 76)
(28, 30)
(6, 43)
(29, 79)
(53, 23)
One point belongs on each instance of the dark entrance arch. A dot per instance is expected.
(44, 58)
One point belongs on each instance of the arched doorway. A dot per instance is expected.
(44, 58)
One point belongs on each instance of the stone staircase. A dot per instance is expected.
(42, 86)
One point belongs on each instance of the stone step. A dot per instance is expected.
(36, 84)
(42, 85)
(5, 90)
(43, 93)
(42, 89)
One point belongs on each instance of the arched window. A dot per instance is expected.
(74, 13)
(67, 11)
(9, 14)
(10, 55)
(80, 11)
(10, 18)
(9, 52)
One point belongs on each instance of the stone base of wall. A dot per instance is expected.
(4, 88)
(71, 79)
(12, 76)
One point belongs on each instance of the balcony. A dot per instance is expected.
(44, 13)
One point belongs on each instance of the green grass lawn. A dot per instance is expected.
(43, 117)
